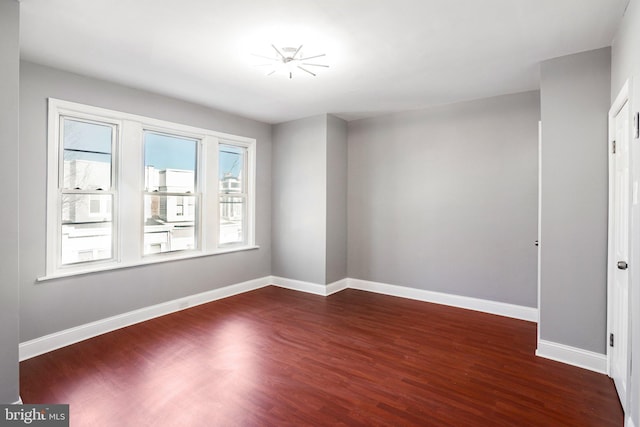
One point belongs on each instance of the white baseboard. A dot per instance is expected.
(493, 307)
(558, 352)
(35, 347)
(337, 286)
(572, 356)
(19, 402)
(298, 285)
(309, 287)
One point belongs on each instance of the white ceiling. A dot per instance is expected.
(385, 55)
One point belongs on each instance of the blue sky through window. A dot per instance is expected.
(231, 161)
(87, 138)
(172, 152)
(169, 152)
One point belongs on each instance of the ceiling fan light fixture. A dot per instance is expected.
(289, 61)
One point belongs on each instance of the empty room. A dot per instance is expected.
(269, 213)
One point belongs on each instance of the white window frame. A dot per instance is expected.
(249, 166)
(129, 189)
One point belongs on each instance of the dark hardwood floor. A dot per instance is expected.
(279, 357)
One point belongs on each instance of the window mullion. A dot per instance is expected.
(131, 177)
(209, 187)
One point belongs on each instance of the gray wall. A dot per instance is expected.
(60, 304)
(575, 93)
(445, 199)
(310, 199)
(299, 199)
(625, 63)
(9, 215)
(336, 199)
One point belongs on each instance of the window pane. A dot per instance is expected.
(232, 180)
(87, 227)
(231, 167)
(232, 215)
(86, 155)
(169, 163)
(85, 136)
(169, 223)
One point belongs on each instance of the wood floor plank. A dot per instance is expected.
(275, 357)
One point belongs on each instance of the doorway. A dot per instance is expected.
(620, 198)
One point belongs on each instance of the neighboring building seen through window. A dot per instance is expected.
(86, 196)
(232, 194)
(170, 220)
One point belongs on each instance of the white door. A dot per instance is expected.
(619, 252)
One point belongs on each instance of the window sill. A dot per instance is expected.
(148, 261)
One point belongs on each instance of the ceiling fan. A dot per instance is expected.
(288, 59)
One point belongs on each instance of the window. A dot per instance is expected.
(170, 197)
(233, 194)
(86, 190)
(126, 190)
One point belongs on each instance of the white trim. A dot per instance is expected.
(18, 402)
(162, 125)
(620, 101)
(35, 347)
(549, 350)
(41, 345)
(572, 356)
(337, 286)
(539, 247)
(128, 182)
(168, 257)
(309, 287)
(629, 422)
(616, 106)
(493, 307)
(298, 285)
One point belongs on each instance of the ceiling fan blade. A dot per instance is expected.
(265, 57)
(303, 69)
(316, 65)
(311, 57)
(278, 52)
(296, 52)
